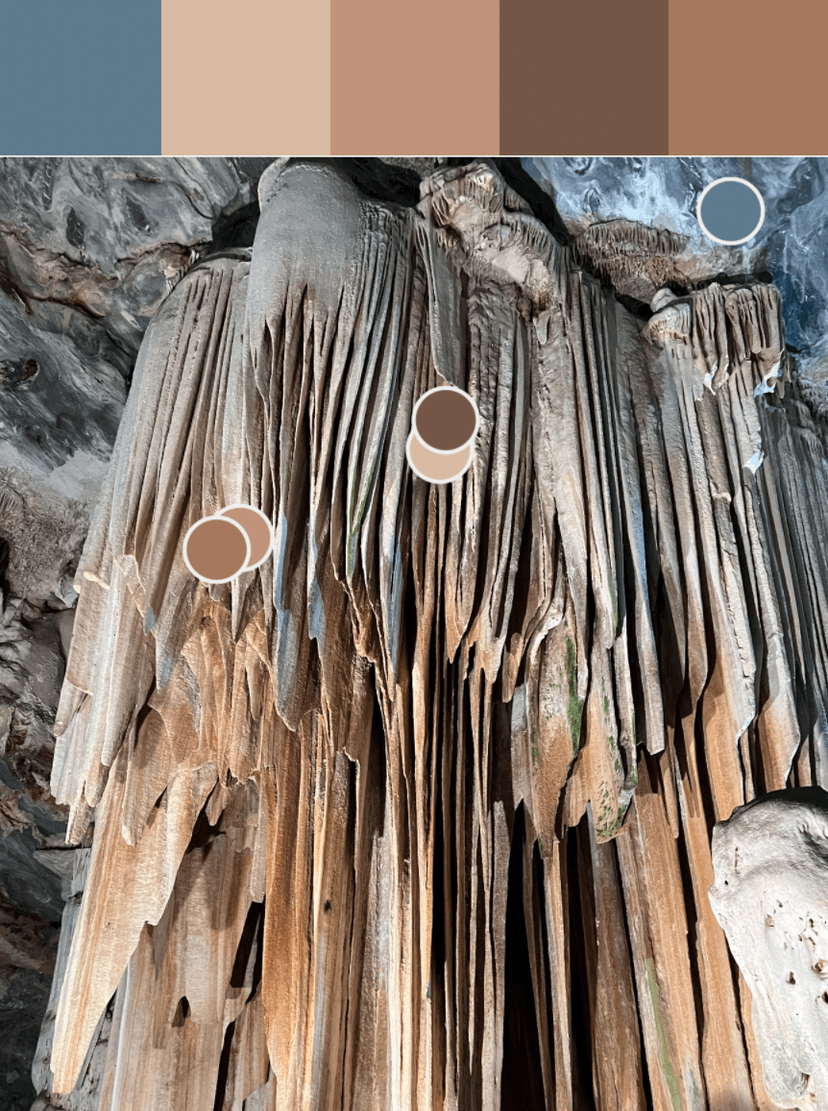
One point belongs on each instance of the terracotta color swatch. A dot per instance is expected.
(409, 80)
(747, 77)
(216, 549)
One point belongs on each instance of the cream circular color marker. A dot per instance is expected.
(216, 549)
(438, 467)
(445, 419)
(258, 529)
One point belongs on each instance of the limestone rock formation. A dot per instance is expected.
(88, 250)
(418, 814)
(663, 192)
(771, 898)
(33, 854)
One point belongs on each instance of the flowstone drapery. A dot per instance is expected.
(418, 814)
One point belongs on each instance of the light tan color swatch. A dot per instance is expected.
(436, 466)
(246, 79)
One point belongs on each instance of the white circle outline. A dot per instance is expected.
(445, 389)
(246, 505)
(192, 528)
(730, 242)
(436, 481)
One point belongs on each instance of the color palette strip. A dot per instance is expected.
(442, 77)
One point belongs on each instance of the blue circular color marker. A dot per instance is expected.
(731, 211)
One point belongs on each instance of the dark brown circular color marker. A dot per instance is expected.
(216, 549)
(258, 529)
(445, 419)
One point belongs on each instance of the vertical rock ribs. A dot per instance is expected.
(418, 813)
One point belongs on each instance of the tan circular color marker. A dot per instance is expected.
(258, 529)
(445, 419)
(216, 549)
(436, 466)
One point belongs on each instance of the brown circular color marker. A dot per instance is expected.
(435, 466)
(258, 530)
(216, 549)
(445, 419)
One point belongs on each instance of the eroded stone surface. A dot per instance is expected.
(416, 814)
(771, 898)
(32, 834)
(89, 248)
(656, 502)
(663, 192)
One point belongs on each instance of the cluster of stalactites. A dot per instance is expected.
(341, 744)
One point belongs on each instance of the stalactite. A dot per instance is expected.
(436, 783)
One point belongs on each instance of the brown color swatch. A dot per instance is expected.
(257, 528)
(436, 467)
(248, 79)
(747, 77)
(445, 419)
(579, 78)
(412, 81)
(216, 549)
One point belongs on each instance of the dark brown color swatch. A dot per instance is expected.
(445, 419)
(580, 78)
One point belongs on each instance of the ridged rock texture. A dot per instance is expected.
(418, 815)
(664, 191)
(89, 248)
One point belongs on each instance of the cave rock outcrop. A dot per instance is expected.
(418, 814)
(771, 898)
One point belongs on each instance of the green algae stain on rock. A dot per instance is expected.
(666, 1066)
(355, 519)
(575, 707)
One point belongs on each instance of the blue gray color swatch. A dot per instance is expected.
(730, 211)
(81, 77)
